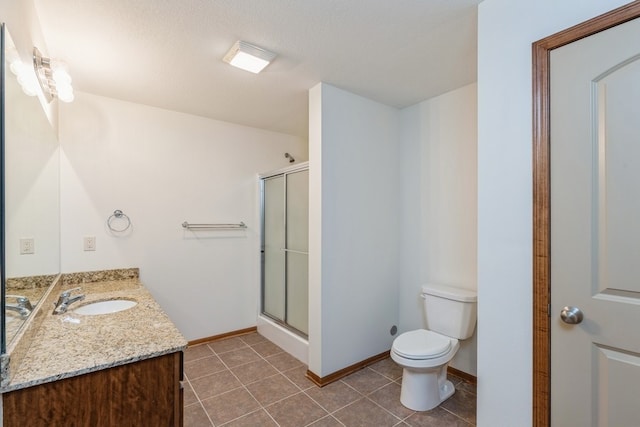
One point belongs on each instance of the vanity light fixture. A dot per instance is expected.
(248, 57)
(53, 77)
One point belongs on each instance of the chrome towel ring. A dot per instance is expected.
(118, 214)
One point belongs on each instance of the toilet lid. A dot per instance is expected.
(421, 344)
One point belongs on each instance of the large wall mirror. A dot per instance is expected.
(32, 197)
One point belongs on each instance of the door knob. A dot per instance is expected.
(571, 315)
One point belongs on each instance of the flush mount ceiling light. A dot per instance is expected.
(248, 57)
(53, 77)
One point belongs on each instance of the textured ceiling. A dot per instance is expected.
(168, 53)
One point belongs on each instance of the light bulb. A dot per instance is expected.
(249, 62)
(30, 90)
(12, 57)
(65, 93)
(61, 76)
(28, 82)
(16, 67)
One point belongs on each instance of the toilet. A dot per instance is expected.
(424, 354)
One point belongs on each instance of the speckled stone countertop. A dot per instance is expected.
(71, 344)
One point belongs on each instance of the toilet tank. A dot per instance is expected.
(449, 310)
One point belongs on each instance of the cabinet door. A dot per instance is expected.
(145, 393)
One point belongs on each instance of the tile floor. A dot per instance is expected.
(249, 381)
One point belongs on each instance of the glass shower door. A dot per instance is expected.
(296, 260)
(285, 210)
(273, 261)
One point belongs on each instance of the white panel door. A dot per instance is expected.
(595, 229)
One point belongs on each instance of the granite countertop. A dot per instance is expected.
(70, 344)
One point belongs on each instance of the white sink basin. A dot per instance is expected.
(105, 307)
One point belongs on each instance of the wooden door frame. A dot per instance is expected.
(541, 195)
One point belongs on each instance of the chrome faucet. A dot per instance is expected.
(23, 305)
(65, 300)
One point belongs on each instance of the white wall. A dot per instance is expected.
(505, 32)
(439, 204)
(162, 168)
(36, 149)
(355, 223)
(32, 198)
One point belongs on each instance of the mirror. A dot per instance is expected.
(32, 197)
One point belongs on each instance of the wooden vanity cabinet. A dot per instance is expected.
(143, 393)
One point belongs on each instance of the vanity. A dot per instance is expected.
(107, 369)
(119, 365)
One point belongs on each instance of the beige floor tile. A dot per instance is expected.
(272, 389)
(389, 398)
(365, 413)
(437, 417)
(254, 371)
(252, 338)
(388, 368)
(195, 416)
(197, 352)
(201, 367)
(229, 406)
(215, 373)
(266, 349)
(327, 421)
(366, 380)
(239, 357)
(333, 396)
(284, 361)
(462, 404)
(215, 384)
(189, 395)
(228, 344)
(259, 418)
(297, 410)
(299, 377)
(466, 386)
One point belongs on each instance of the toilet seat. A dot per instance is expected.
(421, 344)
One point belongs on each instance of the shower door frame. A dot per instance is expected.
(263, 177)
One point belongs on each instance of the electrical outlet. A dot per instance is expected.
(27, 246)
(90, 243)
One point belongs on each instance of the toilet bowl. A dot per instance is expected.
(424, 354)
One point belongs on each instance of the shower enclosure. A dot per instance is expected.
(285, 225)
